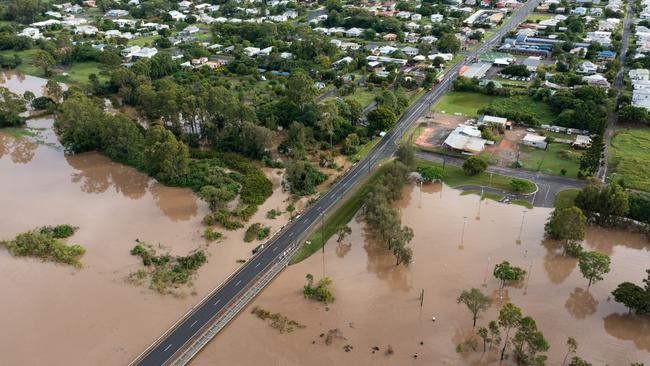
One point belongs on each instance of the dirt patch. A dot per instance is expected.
(507, 150)
(437, 128)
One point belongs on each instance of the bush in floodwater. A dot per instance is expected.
(320, 292)
(44, 246)
(211, 235)
(165, 270)
(59, 231)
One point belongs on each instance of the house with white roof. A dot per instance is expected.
(33, 33)
(177, 16)
(354, 32)
(466, 139)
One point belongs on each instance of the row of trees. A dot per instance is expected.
(384, 219)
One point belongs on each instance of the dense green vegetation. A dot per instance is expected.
(45, 243)
(166, 272)
(276, 320)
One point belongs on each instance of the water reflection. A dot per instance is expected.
(629, 327)
(96, 173)
(557, 264)
(175, 203)
(20, 149)
(604, 240)
(581, 303)
(342, 249)
(432, 187)
(382, 263)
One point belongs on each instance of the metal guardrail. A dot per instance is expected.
(186, 356)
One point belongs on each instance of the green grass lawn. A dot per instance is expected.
(143, 41)
(565, 198)
(465, 103)
(533, 18)
(524, 203)
(524, 103)
(552, 160)
(77, 73)
(454, 176)
(629, 158)
(363, 96)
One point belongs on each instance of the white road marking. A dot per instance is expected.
(275, 248)
(257, 265)
(218, 301)
(166, 348)
(193, 323)
(291, 233)
(238, 282)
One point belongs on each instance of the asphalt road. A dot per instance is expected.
(202, 315)
(549, 185)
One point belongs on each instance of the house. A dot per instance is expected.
(596, 80)
(33, 33)
(436, 18)
(189, 30)
(534, 140)
(184, 4)
(86, 30)
(144, 52)
(390, 37)
(641, 98)
(587, 67)
(639, 74)
(582, 141)
(579, 11)
(606, 55)
(466, 139)
(116, 13)
(416, 17)
(410, 51)
(177, 16)
(354, 32)
(485, 120)
(251, 51)
(475, 70)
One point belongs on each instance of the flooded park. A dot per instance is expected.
(54, 314)
(377, 303)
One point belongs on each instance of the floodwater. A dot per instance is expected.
(57, 315)
(377, 303)
(19, 83)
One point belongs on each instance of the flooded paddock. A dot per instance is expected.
(377, 303)
(57, 315)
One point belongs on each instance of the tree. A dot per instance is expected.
(474, 165)
(303, 177)
(381, 119)
(165, 158)
(591, 158)
(342, 232)
(577, 361)
(509, 318)
(429, 173)
(506, 272)
(603, 204)
(633, 114)
(161, 65)
(300, 88)
(566, 224)
(216, 197)
(448, 42)
(406, 154)
(44, 60)
(572, 347)
(529, 342)
(54, 90)
(495, 334)
(11, 105)
(475, 301)
(634, 297)
(593, 265)
(483, 333)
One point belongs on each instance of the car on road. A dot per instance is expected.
(258, 248)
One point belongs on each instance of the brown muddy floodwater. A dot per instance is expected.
(19, 83)
(377, 303)
(56, 315)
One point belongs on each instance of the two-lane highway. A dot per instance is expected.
(196, 321)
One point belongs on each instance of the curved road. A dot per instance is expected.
(202, 315)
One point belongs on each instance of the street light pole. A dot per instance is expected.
(462, 233)
(521, 228)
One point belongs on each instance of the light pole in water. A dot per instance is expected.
(322, 238)
(462, 233)
(487, 266)
(521, 228)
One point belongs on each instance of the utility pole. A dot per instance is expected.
(421, 297)
(521, 228)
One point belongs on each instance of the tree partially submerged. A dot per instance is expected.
(476, 302)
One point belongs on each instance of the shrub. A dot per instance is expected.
(252, 232)
(45, 246)
(429, 173)
(520, 185)
(211, 235)
(474, 165)
(59, 231)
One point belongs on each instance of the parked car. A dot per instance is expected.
(258, 248)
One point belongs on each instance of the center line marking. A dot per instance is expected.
(166, 348)
(238, 282)
(257, 265)
(193, 323)
(275, 248)
(218, 301)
